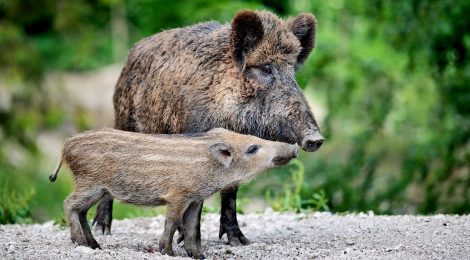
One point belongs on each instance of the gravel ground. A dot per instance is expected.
(274, 236)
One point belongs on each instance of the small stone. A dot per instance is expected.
(84, 250)
(12, 247)
(395, 248)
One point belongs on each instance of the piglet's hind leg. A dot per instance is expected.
(76, 207)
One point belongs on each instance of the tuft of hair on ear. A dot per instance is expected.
(304, 27)
(247, 31)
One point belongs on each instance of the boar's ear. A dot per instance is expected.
(222, 152)
(247, 31)
(304, 27)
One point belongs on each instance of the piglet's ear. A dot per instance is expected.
(304, 27)
(222, 153)
(247, 31)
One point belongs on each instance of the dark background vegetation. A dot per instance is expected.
(392, 79)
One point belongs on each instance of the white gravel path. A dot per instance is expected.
(274, 236)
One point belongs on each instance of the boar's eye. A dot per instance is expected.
(264, 74)
(252, 149)
(267, 69)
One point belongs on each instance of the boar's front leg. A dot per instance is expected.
(228, 219)
(191, 230)
(104, 216)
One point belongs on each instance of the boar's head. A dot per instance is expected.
(267, 51)
(252, 88)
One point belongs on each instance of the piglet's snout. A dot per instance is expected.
(285, 154)
(294, 150)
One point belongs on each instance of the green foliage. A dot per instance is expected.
(394, 77)
(60, 221)
(14, 206)
(121, 210)
(295, 197)
(208, 209)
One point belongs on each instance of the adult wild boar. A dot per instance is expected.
(239, 76)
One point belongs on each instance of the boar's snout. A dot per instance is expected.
(312, 142)
(286, 155)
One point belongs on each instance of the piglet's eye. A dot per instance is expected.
(252, 149)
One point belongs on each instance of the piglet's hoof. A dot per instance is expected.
(165, 249)
(234, 235)
(94, 245)
(193, 250)
(79, 239)
(197, 255)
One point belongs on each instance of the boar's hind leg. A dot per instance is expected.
(104, 216)
(76, 207)
(174, 216)
(228, 219)
(191, 231)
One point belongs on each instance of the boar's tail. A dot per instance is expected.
(53, 176)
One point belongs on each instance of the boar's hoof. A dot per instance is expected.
(234, 235)
(165, 249)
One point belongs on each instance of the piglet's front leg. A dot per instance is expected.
(166, 241)
(174, 217)
(191, 230)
